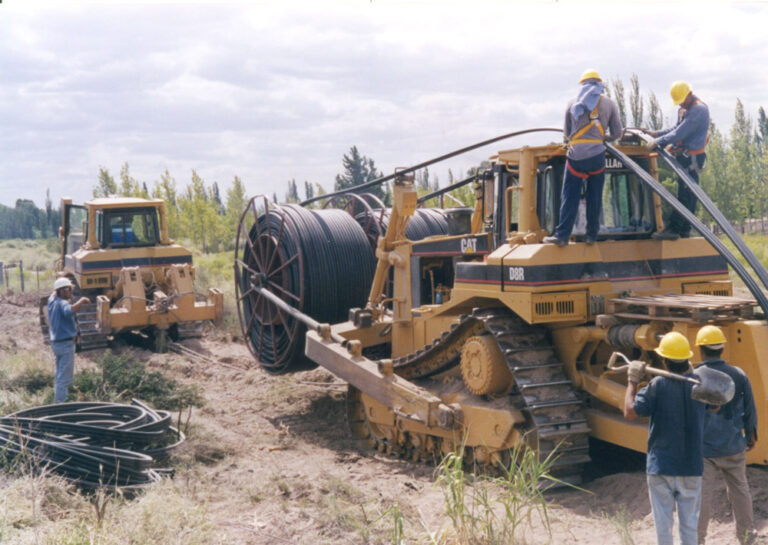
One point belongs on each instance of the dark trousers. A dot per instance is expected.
(693, 164)
(572, 186)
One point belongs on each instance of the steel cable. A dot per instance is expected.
(92, 444)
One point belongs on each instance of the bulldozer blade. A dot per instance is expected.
(714, 387)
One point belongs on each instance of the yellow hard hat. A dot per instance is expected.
(679, 91)
(590, 74)
(674, 346)
(710, 335)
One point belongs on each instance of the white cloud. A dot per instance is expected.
(272, 92)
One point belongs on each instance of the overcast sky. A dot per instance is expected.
(273, 92)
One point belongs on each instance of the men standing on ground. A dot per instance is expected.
(674, 461)
(728, 433)
(61, 317)
(687, 140)
(586, 120)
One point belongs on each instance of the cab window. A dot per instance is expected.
(129, 227)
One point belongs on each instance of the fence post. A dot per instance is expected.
(37, 276)
(5, 270)
(21, 274)
(2, 270)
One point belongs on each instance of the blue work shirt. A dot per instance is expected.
(726, 431)
(690, 132)
(61, 319)
(676, 427)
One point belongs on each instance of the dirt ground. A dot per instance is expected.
(273, 461)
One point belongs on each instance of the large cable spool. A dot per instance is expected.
(318, 261)
(425, 222)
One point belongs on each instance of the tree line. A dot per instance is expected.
(735, 179)
(26, 220)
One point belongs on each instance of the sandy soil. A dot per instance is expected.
(274, 462)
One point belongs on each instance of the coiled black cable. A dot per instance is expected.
(426, 222)
(92, 444)
(323, 266)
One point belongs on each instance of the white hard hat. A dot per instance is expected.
(62, 283)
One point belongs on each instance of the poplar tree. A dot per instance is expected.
(635, 101)
(106, 184)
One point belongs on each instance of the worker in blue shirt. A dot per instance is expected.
(63, 330)
(590, 119)
(729, 433)
(675, 461)
(688, 141)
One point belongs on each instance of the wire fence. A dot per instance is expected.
(14, 278)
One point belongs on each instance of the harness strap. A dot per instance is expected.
(594, 121)
(582, 175)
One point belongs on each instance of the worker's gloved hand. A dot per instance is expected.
(636, 371)
(650, 143)
(652, 133)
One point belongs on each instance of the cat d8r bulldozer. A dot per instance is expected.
(477, 334)
(116, 252)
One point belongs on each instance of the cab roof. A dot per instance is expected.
(122, 202)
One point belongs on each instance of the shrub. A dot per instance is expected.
(122, 378)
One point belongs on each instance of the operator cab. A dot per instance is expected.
(127, 227)
(628, 209)
(627, 203)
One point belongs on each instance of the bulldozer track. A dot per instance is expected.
(555, 420)
(89, 336)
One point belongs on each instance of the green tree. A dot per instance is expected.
(618, 96)
(309, 190)
(199, 217)
(166, 189)
(237, 200)
(292, 195)
(129, 186)
(762, 126)
(106, 184)
(359, 169)
(635, 101)
(655, 119)
(714, 179)
(741, 169)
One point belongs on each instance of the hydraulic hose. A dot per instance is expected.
(661, 191)
(93, 444)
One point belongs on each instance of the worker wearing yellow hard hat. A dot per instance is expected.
(590, 119)
(688, 140)
(728, 434)
(674, 463)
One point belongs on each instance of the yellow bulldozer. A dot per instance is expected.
(116, 252)
(458, 326)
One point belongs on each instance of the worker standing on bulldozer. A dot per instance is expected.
(688, 141)
(63, 330)
(728, 433)
(586, 120)
(675, 461)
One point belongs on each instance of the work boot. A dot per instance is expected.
(666, 234)
(555, 240)
(590, 240)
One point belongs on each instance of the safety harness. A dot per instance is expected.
(582, 175)
(678, 146)
(594, 121)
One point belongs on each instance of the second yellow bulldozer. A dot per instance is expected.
(116, 251)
